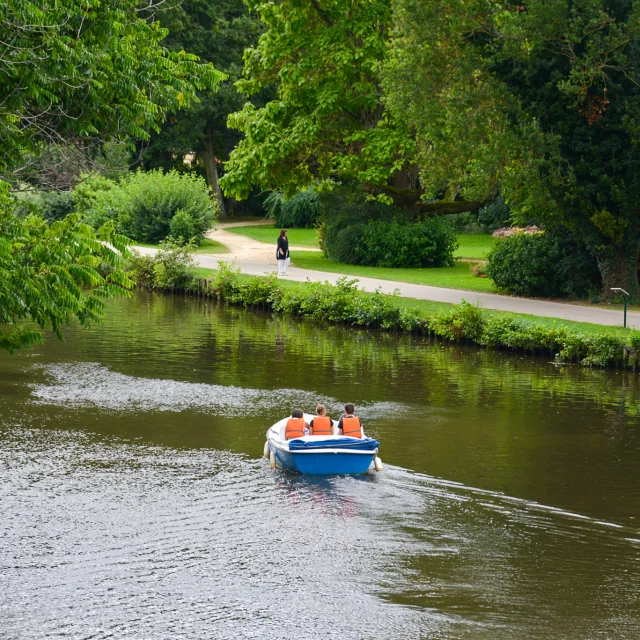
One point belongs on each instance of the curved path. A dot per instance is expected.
(258, 258)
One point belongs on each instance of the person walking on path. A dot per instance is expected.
(282, 253)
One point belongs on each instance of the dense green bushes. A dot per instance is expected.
(542, 264)
(301, 210)
(356, 230)
(143, 205)
(347, 304)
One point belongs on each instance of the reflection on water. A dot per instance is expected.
(135, 504)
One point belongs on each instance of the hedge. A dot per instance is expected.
(346, 303)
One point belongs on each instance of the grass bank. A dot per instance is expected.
(345, 303)
(459, 276)
(206, 246)
(269, 234)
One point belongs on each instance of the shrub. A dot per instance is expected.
(144, 204)
(50, 205)
(86, 194)
(170, 268)
(182, 226)
(541, 264)
(301, 210)
(400, 243)
(356, 230)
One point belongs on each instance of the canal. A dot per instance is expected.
(135, 502)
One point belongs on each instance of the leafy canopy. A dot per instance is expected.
(323, 56)
(540, 99)
(49, 274)
(76, 70)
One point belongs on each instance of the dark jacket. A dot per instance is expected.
(283, 244)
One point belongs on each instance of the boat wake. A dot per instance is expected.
(90, 384)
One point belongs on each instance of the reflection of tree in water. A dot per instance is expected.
(279, 346)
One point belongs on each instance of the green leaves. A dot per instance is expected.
(328, 117)
(50, 274)
(76, 69)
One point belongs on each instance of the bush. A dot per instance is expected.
(357, 230)
(143, 205)
(182, 226)
(400, 243)
(86, 194)
(542, 264)
(171, 268)
(301, 210)
(50, 205)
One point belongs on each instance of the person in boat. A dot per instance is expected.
(296, 426)
(321, 425)
(349, 424)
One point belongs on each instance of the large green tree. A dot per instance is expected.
(217, 31)
(328, 119)
(539, 98)
(84, 71)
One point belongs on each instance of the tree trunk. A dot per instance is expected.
(209, 160)
(620, 270)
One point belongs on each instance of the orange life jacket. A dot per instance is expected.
(294, 428)
(322, 426)
(351, 427)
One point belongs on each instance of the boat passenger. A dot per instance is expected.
(296, 425)
(321, 425)
(349, 424)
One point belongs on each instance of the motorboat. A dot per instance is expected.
(321, 455)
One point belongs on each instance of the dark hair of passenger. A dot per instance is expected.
(283, 233)
(297, 413)
(349, 408)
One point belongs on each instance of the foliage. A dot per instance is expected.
(87, 192)
(328, 117)
(540, 100)
(50, 205)
(49, 274)
(541, 264)
(401, 243)
(170, 268)
(182, 226)
(78, 72)
(358, 230)
(301, 210)
(346, 304)
(217, 31)
(143, 205)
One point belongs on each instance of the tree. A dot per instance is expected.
(539, 98)
(328, 118)
(49, 274)
(217, 31)
(74, 72)
(83, 72)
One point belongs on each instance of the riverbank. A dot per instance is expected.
(346, 303)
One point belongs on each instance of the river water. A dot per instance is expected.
(135, 503)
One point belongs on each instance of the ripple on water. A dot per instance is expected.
(106, 538)
(89, 384)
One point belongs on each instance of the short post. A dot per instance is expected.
(624, 300)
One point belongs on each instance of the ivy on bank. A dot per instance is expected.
(347, 304)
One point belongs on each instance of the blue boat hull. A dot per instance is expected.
(323, 464)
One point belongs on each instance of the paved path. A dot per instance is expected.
(251, 265)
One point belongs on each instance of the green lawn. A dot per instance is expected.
(269, 233)
(458, 277)
(474, 245)
(430, 306)
(206, 246)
